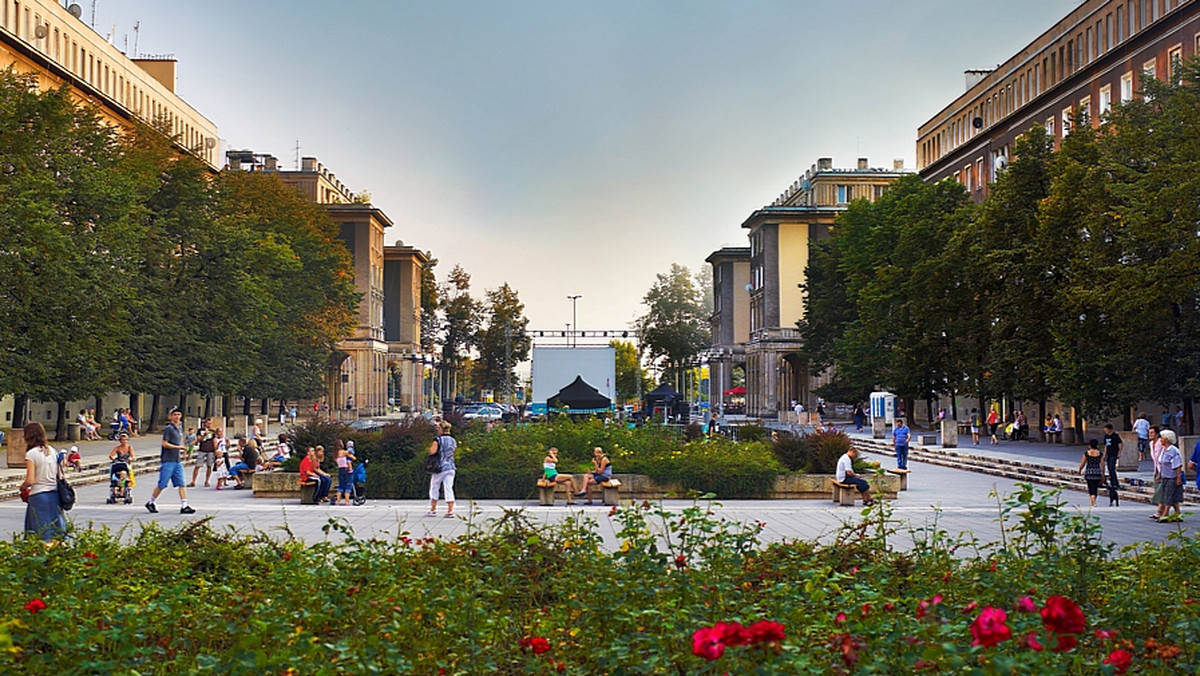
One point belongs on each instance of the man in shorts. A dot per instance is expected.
(1142, 427)
(207, 456)
(171, 471)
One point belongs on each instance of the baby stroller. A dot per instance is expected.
(358, 484)
(120, 483)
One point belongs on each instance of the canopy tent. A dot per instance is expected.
(579, 396)
(663, 393)
(738, 391)
(663, 397)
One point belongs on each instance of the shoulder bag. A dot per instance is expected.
(66, 494)
(433, 461)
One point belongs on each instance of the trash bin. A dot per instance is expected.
(73, 431)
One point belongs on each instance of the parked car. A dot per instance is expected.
(482, 412)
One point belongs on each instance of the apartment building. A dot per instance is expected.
(765, 338)
(1099, 54)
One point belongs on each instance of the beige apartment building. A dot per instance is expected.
(766, 307)
(402, 269)
(1097, 55)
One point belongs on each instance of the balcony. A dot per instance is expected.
(775, 334)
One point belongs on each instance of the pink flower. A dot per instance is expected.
(1031, 642)
(706, 643)
(1105, 634)
(1061, 615)
(35, 605)
(1120, 660)
(971, 607)
(841, 617)
(989, 628)
(1026, 605)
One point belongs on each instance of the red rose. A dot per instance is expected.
(848, 646)
(732, 633)
(35, 605)
(766, 631)
(539, 645)
(1120, 660)
(680, 561)
(1061, 615)
(989, 628)
(1026, 605)
(706, 643)
(1064, 643)
(1031, 642)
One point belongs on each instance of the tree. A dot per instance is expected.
(631, 377)
(502, 344)
(430, 304)
(461, 317)
(70, 216)
(675, 326)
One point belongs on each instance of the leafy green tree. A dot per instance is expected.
(461, 318)
(69, 218)
(502, 344)
(430, 305)
(675, 326)
(631, 377)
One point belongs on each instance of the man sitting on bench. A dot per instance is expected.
(846, 475)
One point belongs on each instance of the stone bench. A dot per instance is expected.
(927, 439)
(546, 489)
(843, 493)
(903, 474)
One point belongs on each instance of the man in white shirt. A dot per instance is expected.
(1142, 427)
(845, 474)
(799, 409)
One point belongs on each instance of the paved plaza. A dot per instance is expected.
(954, 500)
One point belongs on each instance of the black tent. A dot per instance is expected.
(579, 396)
(663, 397)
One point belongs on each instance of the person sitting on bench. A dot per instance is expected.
(550, 471)
(601, 473)
(846, 475)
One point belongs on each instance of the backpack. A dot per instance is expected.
(433, 461)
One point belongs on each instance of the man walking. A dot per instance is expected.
(1112, 452)
(900, 436)
(207, 456)
(171, 471)
(1142, 427)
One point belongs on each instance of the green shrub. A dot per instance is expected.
(824, 450)
(792, 451)
(753, 433)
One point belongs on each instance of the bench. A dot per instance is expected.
(546, 490)
(927, 439)
(612, 489)
(308, 492)
(843, 493)
(247, 477)
(903, 474)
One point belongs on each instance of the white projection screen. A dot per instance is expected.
(556, 367)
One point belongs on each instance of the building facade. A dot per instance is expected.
(1101, 53)
(729, 324)
(402, 269)
(43, 38)
(780, 236)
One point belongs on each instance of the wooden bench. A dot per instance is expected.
(612, 490)
(927, 439)
(308, 492)
(843, 493)
(903, 474)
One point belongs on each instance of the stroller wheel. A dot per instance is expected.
(110, 501)
(359, 500)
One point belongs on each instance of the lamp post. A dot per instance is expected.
(574, 319)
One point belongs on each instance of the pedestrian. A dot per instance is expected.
(1170, 471)
(845, 474)
(1178, 420)
(1194, 463)
(601, 473)
(798, 408)
(1166, 417)
(1112, 452)
(550, 473)
(1156, 450)
(900, 437)
(256, 432)
(859, 417)
(345, 469)
(993, 422)
(207, 457)
(282, 414)
(292, 414)
(43, 515)
(1142, 427)
(171, 469)
(1092, 467)
(444, 447)
(974, 423)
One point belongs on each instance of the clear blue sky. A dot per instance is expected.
(571, 147)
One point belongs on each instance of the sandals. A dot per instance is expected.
(868, 503)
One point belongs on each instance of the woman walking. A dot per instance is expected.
(1170, 472)
(444, 447)
(43, 516)
(1092, 466)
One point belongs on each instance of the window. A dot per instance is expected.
(1105, 100)
(845, 193)
(1149, 70)
(1175, 63)
(967, 178)
(979, 174)
(1050, 127)
(1066, 121)
(1120, 26)
(1127, 87)
(1085, 110)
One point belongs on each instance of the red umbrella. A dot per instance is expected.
(736, 392)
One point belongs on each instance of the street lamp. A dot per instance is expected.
(574, 320)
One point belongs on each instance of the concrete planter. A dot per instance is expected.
(281, 485)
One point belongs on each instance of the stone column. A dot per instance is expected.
(949, 434)
(1128, 462)
(878, 428)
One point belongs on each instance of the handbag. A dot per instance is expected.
(66, 494)
(1156, 499)
(433, 461)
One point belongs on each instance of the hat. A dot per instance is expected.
(349, 444)
(174, 409)
(258, 422)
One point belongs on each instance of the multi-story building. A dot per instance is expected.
(1099, 54)
(43, 38)
(358, 382)
(780, 235)
(729, 324)
(402, 268)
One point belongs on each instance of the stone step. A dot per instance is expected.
(92, 473)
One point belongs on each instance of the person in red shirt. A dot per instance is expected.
(310, 469)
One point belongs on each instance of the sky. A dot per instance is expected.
(567, 147)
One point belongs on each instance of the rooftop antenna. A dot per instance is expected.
(137, 25)
(297, 154)
(93, 14)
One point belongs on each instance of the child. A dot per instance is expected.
(74, 459)
(190, 441)
(345, 475)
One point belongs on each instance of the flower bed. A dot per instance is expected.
(518, 598)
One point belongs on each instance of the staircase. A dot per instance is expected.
(1132, 488)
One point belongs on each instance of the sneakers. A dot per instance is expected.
(187, 510)
(430, 513)
(152, 508)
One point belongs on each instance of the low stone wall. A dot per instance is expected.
(282, 485)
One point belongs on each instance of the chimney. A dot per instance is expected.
(308, 164)
(898, 163)
(824, 163)
(974, 77)
(270, 163)
(863, 164)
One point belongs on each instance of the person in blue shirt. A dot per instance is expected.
(900, 436)
(1194, 462)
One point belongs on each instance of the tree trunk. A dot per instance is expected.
(60, 422)
(265, 406)
(226, 406)
(1127, 420)
(148, 425)
(20, 411)
(98, 410)
(1187, 415)
(246, 406)
(208, 407)
(1041, 421)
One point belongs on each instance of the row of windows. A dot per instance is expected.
(25, 22)
(1071, 53)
